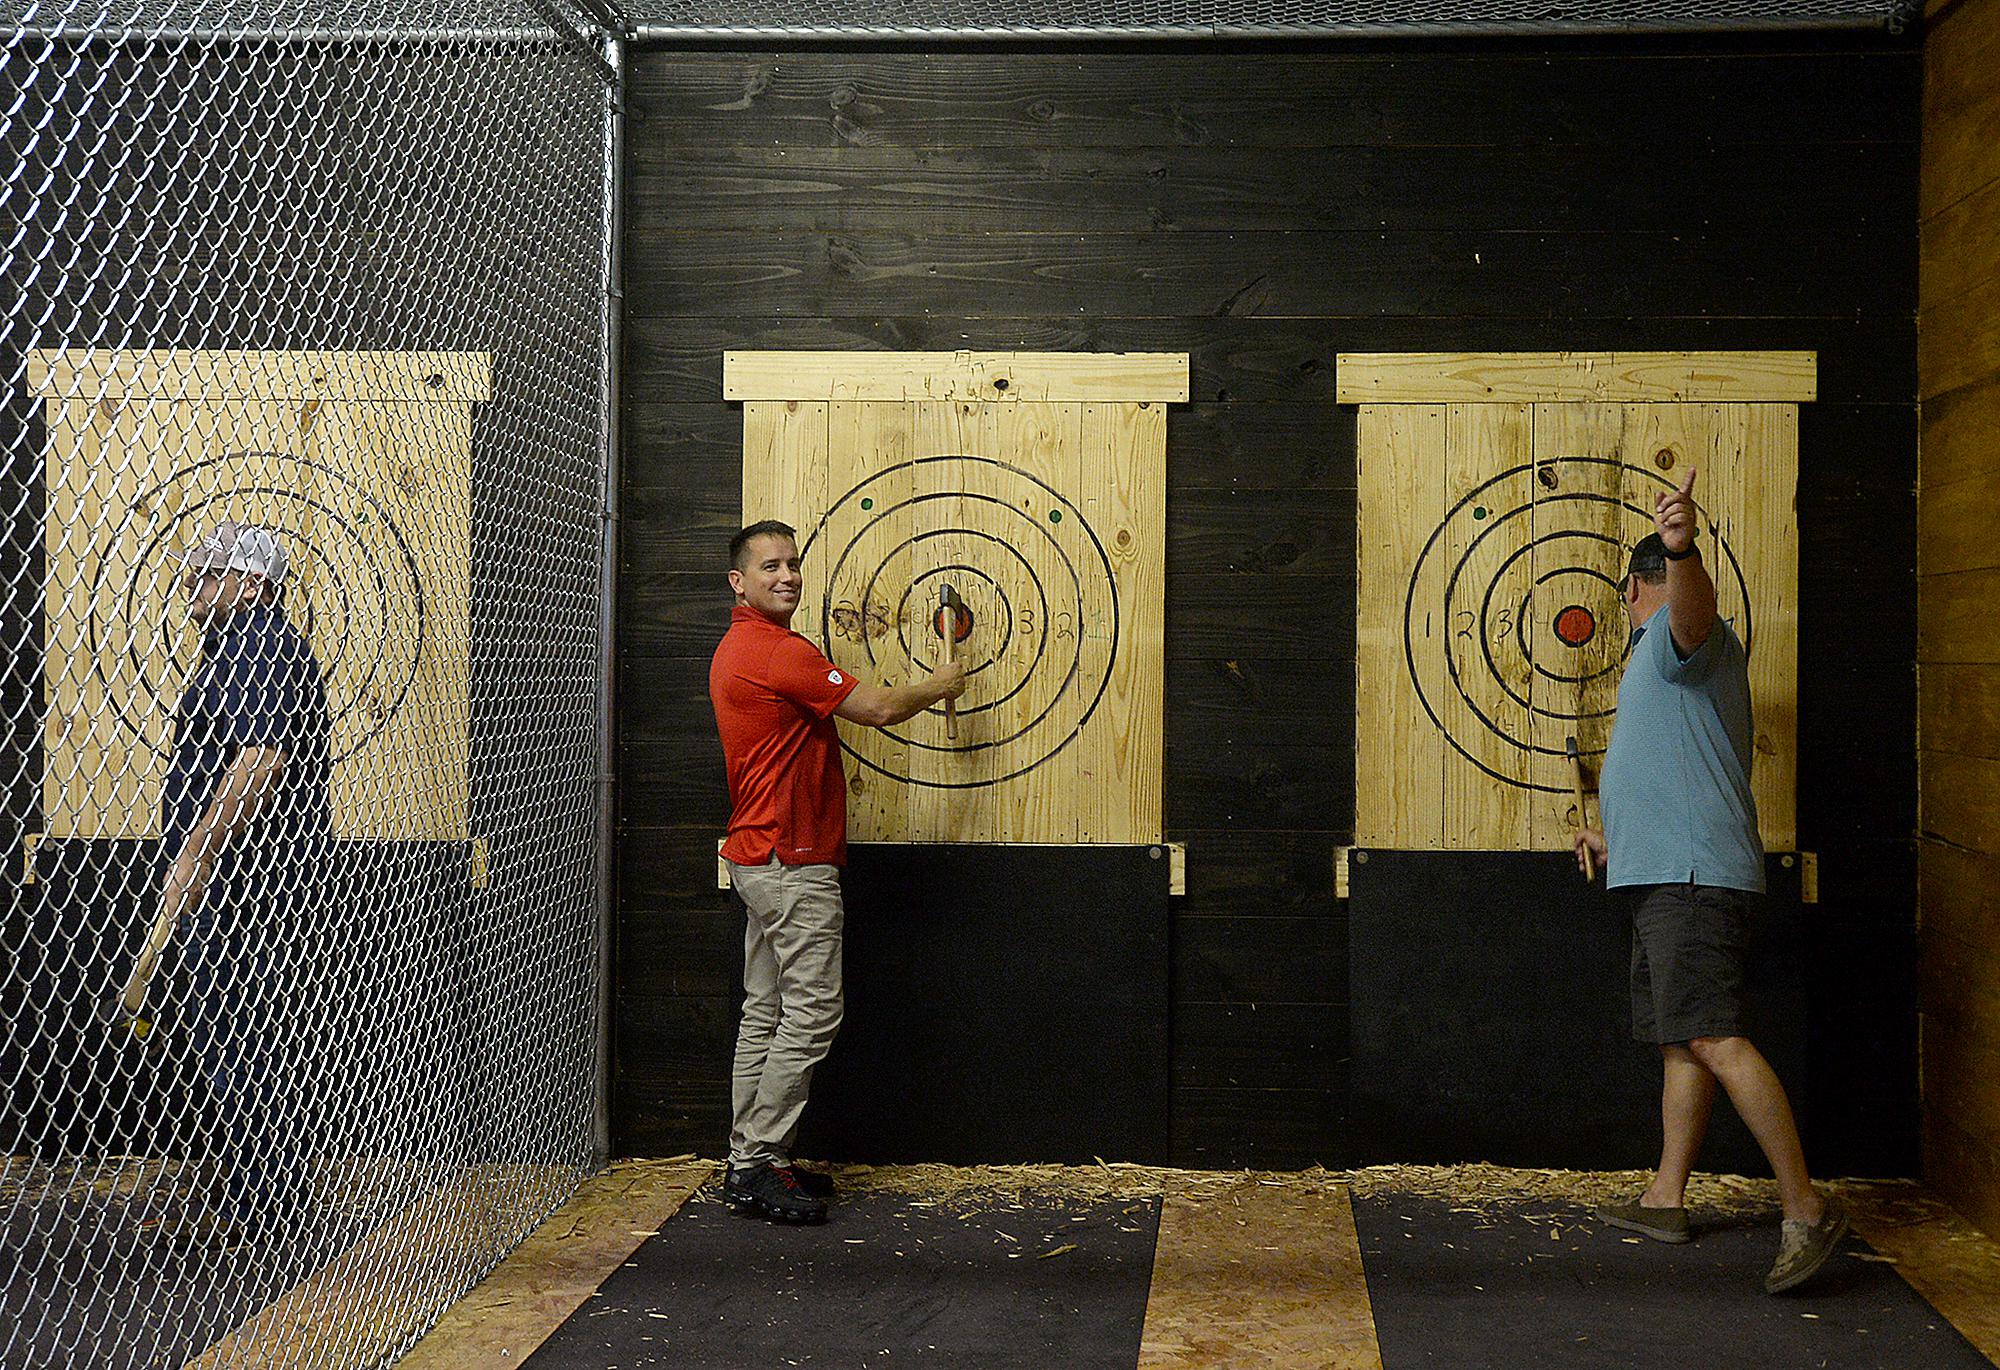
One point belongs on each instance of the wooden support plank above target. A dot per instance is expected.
(361, 463)
(1042, 502)
(218, 373)
(1499, 495)
(1129, 377)
(1552, 377)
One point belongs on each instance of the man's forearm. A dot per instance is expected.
(250, 778)
(1690, 600)
(907, 701)
(187, 881)
(1688, 582)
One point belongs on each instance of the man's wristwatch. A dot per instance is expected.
(1693, 549)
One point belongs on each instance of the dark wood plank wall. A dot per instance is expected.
(1959, 565)
(1264, 209)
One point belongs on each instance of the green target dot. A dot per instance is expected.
(1480, 512)
(867, 504)
(1055, 516)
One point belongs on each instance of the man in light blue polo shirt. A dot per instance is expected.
(1680, 833)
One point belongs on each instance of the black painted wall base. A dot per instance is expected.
(1004, 1004)
(1492, 1019)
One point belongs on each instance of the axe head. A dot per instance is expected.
(112, 1014)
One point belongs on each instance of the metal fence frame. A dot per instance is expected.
(1233, 20)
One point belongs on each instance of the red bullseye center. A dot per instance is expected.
(961, 622)
(1576, 625)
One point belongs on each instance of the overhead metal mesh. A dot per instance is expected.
(1233, 18)
(340, 282)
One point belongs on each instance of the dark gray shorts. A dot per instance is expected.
(1690, 959)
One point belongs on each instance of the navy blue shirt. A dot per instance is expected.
(257, 686)
(1675, 788)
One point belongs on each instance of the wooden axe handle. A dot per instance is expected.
(1582, 814)
(948, 602)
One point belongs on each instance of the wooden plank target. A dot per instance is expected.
(1045, 511)
(362, 463)
(1494, 535)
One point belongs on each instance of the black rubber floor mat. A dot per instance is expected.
(1544, 1285)
(887, 1281)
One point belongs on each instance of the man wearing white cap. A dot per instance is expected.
(245, 819)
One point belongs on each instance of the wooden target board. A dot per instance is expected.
(1500, 495)
(1033, 484)
(362, 462)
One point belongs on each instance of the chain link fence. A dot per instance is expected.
(306, 385)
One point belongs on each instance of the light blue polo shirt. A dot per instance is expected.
(1675, 789)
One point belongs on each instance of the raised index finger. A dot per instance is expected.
(1687, 482)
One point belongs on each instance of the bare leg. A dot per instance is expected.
(1687, 1095)
(1759, 1098)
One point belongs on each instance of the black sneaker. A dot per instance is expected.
(772, 1192)
(817, 1183)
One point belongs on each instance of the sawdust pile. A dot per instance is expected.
(1475, 1188)
(1464, 1187)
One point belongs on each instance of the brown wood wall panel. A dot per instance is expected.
(1958, 429)
(1958, 341)
(1955, 530)
(1961, 106)
(1959, 709)
(1264, 211)
(1964, 1168)
(1958, 645)
(1961, 986)
(1956, 621)
(1960, 247)
(1960, 893)
(1960, 799)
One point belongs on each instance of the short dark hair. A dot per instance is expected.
(763, 528)
(1649, 560)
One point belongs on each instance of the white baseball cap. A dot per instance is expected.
(245, 547)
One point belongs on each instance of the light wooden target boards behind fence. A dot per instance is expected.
(1034, 484)
(362, 461)
(1499, 496)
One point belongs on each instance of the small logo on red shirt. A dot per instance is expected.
(833, 678)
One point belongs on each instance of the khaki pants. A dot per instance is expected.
(791, 1002)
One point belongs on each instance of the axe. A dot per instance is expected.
(1582, 814)
(948, 626)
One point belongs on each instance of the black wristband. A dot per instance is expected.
(1693, 549)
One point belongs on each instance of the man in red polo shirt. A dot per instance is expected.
(775, 697)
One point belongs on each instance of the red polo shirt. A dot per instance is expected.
(774, 696)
